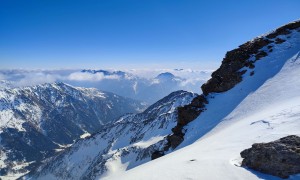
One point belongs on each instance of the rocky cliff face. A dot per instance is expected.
(238, 61)
(279, 158)
(234, 65)
(36, 122)
(135, 139)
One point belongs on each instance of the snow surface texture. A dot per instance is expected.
(144, 84)
(36, 121)
(262, 108)
(122, 145)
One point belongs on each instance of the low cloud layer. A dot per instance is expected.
(137, 84)
(80, 76)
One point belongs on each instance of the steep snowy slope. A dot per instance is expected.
(37, 121)
(241, 104)
(124, 144)
(263, 107)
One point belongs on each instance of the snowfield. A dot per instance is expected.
(262, 108)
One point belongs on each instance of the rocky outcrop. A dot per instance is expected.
(157, 154)
(230, 73)
(279, 158)
(234, 65)
(186, 114)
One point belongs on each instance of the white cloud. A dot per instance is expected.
(80, 76)
(34, 78)
(2, 77)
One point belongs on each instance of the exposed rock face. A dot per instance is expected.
(230, 74)
(156, 154)
(186, 114)
(234, 65)
(279, 158)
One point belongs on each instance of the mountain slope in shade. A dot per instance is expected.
(37, 121)
(263, 107)
(123, 144)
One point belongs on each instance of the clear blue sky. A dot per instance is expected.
(132, 33)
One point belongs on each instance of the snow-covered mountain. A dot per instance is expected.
(5, 84)
(263, 107)
(38, 121)
(253, 97)
(134, 86)
(125, 143)
(147, 85)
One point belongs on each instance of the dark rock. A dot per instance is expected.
(225, 78)
(284, 29)
(228, 75)
(279, 31)
(250, 64)
(157, 154)
(261, 54)
(279, 41)
(174, 140)
(189, 112)
(279, 158)
(186, 114)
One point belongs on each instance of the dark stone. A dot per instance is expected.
(157, 154)
(223, 79)
(279, 158)
(189, 112)
(186, 114)
(250, 64)
(279, 41)
(284, 29)
(228, 75)
(174, 140)
(261, 54)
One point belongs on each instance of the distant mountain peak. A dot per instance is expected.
(166, 76)
(105, 72)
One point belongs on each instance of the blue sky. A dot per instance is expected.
(132, 33)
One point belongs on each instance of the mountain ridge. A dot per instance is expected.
(243, 71)
(37, 121)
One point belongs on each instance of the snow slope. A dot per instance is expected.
(262, 108)
(119, 146)
(37, 121)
